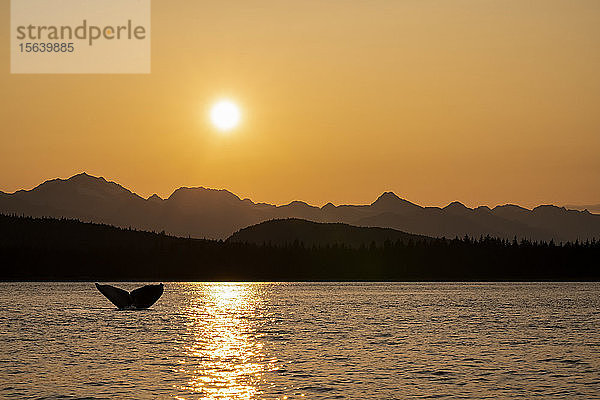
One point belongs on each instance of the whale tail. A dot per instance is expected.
(139, 298)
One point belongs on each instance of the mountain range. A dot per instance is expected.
(200, 212)
(593, 208)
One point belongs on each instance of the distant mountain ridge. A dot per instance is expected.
(216, 214)
(593, 208)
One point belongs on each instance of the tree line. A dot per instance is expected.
(63, 249)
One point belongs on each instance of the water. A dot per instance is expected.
(303, 341)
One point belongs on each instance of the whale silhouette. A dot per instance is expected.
(137, 299)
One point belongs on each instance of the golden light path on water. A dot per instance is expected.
(316, 341)
(223, 340)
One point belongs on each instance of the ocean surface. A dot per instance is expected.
(303, 341)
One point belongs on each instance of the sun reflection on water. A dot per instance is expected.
(224, 359)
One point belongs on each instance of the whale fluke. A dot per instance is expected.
(118, 297)
(139, 298)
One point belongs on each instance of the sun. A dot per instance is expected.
(225, 115)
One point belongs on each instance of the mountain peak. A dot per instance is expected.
(192, 195)
(298, 205)
(484, 209)
(388, 201)
(457, 208)
(549, 209)
(154, 198)
(82, 174)
(387, 196)
(328, 206)
(456, 205)
(81, 181)
(85, 177)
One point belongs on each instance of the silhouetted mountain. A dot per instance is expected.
(593, 208)
(52, 249)
(155, 198)
(83, 197)
(283, 232)
(389, 202)
(216, 214)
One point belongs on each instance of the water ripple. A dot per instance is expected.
(303, 341)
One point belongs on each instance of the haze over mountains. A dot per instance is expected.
(217, 214)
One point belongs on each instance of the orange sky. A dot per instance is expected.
(485, 102)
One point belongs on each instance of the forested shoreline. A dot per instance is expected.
(42, 249)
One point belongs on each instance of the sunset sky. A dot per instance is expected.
(484, 102)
